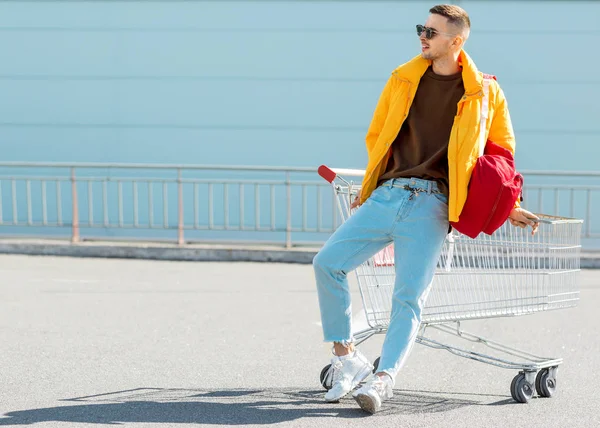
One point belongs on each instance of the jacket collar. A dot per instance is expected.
(414, 69)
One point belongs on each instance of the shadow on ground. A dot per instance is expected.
(225, 407)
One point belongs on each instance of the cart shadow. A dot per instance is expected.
(224, 407)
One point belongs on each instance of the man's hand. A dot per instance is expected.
(356, 202)
(523, 218)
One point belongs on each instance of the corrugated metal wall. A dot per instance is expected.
(274, 83)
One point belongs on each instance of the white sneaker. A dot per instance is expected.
(345, 374)
(370, 396)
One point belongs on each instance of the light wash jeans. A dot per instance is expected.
(416, 221)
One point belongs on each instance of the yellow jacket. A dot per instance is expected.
(463, 147)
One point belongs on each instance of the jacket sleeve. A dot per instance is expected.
(378, 120)
(501, 130)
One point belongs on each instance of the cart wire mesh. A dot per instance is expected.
(508, 273)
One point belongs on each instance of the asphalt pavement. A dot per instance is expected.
(93, 342)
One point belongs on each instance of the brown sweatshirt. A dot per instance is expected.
(421, 147)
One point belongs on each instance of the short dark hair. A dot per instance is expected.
(455, 14)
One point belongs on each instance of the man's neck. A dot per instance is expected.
(446, 66)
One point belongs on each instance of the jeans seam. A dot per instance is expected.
(401, 214)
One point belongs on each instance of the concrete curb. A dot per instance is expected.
(158, 252)
(590, 260)
(153, 251)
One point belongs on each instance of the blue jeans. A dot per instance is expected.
(416, 221)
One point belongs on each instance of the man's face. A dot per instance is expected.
(440, 44)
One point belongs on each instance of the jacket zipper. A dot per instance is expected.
(453, 185)
(388, 144)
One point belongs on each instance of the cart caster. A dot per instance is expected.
(326, 383)
(545, 383)
(520, 389)
(376, 364)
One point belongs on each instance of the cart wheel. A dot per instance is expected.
(544, 384)
(512, 387)
(376, 364)
(323, 377)
(520, 389)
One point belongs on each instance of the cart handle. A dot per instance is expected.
(327, 173)
(330, 174)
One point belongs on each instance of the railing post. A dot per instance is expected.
(288, 226)
(588, 233)
(75, 208)
(180, 238)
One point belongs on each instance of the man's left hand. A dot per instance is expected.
(522, 218)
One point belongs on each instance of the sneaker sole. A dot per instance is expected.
(366, 403)
(362, 375)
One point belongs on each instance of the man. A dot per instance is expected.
(422, 145)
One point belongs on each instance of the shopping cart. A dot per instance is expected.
(506, 274)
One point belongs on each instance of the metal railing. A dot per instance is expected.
(165, 197)
(198, 203)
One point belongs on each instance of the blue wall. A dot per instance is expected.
(273, 83)
(289, 83)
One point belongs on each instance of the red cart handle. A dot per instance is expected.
(327, 173)
(331, 174)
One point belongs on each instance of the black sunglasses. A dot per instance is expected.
(430, 33)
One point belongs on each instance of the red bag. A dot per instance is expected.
(494, 187)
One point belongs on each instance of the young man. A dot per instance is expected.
(422, 145)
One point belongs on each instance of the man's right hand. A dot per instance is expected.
(356, 202)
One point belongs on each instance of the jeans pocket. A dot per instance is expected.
(441, 197)
(378, 194)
